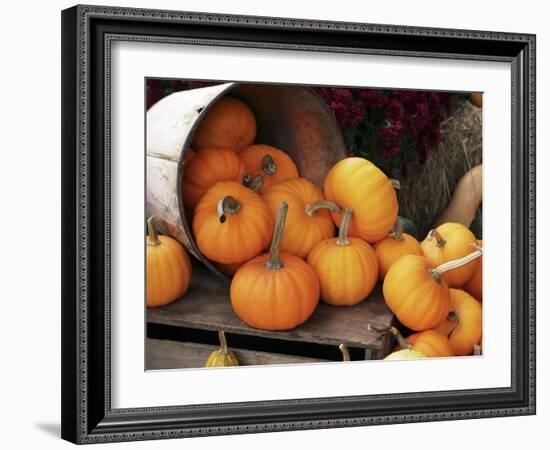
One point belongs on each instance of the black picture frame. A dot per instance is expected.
(87, 416)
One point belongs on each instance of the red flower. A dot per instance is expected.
(391, 131)
(389, 151)
(395, 111)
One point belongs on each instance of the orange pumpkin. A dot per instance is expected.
(464, 322)
(308, 220)
(448, 242)
(231, 223)
(358, 184)
(417, 293)
(205, 169)
(168, 268)
(347, 268)
(430, 343)
(393, 246)
(229, 123)
(474, 286)
(275, 291)
(267, 165)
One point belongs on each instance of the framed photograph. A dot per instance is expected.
(282, 224)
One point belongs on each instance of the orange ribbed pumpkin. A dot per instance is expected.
(431, 343)
(474, 286)
(275, 291)
(231, 223)
(448, 242)
(168, 268)
(266, 165)
(358, 184)
(393, 246)
(464, 322)
(229, 123)
(205, 169)
(308, 220)
(418, 299)
(417, 293)
(347, 268)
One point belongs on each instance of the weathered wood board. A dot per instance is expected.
(165, 354)
(206, 306)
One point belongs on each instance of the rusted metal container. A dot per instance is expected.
(292, 118)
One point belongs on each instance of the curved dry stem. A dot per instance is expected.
(274, 263)
(152, 235)
(397, 233)
(344, 226)
(268, 165)
(227, 205)
(435, 234)
(345, 352)
(223, 342)
(320, 204)
(454, 264)
(392, 330)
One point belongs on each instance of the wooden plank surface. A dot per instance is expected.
(206, 306)
(165, 354)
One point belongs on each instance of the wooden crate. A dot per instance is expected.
(205, 309)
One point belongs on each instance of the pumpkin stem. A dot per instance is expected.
(452, 317)
(345, 352)
(268, 165)
(274, 263)
(228, 205)
(257, 183)
(397, 231)
(253, 183)
(247, 179)
(395, 184)
(152, 235)
(435, 234)
(392, 330)
(344, 225)
(454, 264)
(319, 204)
(477, 350)
(223, 342)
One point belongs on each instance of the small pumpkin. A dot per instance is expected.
(308, 220)
(168, 268)
(463, 324)
(417, 293)
(205, 169)
(347, 267)
(230, 123)
(392, 247)
(267, 165)
(231, 223)
(358, 184)
(474, 286)
(222, 357)
(448, 242)
(431, 343)
(275, 291)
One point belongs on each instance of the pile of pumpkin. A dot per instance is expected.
(244, 198)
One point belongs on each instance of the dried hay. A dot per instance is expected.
(424, 195)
